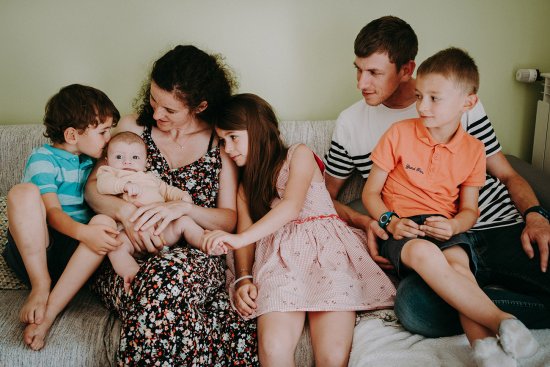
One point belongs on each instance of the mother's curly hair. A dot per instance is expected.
(193, 76)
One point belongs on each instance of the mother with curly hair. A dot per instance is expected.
(177, 311)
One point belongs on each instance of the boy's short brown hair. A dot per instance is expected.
(454, 64)
(77, 106)
(390, 35)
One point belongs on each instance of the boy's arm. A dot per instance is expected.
(468, 211)
(371, 197)
(99, 238)
(58, 219)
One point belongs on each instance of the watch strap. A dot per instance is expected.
(537, 209)
(386, 218)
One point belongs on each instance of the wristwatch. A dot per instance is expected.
(537, 209)
(386, 218)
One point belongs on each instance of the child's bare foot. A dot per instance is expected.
(34, 308)
(34, 335)
(129, 274)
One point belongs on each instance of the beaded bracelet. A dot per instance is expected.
(241, 278)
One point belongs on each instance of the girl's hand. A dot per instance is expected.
(99, 238)
(244, 297)
(438, 227)
(159, 214)
(213, 239)
(404, 228)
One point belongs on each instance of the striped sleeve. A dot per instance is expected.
(338, 161)
(479, 126)
(41, 171)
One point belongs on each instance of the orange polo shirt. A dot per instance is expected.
(424, 177)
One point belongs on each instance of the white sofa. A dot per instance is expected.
(86, 334)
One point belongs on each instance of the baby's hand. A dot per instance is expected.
(211, 240)
(220, 249)
(438, 227)
(132, 189)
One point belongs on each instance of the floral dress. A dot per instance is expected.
(177, 312)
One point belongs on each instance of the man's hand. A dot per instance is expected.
(537, 230)
(374, 232)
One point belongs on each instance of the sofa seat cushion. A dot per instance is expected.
(85, 334)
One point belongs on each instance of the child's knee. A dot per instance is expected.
(271, 347)
(103, 219)
(418, 252)
(23, 192)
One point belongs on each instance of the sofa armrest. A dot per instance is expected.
(539, 181)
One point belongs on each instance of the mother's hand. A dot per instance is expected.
(157, 216)
(142, 241)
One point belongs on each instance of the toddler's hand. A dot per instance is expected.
(132, 189)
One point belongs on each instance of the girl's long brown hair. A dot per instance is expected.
(266, 150)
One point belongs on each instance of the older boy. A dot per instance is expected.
(52, 237)
(429, 171)
(385, 50)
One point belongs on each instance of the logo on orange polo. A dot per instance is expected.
(416, 169)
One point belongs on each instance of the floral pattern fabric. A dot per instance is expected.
(177, 312)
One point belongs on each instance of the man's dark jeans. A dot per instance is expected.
(514, 282)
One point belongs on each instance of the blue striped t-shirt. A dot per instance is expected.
(56, 170)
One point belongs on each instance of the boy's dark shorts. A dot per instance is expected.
(58, 253)
(391, 248)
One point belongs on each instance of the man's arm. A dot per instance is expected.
(358, 220)
(537, 228)
(351, 216)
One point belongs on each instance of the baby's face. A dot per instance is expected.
(127, 156)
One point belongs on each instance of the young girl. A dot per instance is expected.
(307, 260)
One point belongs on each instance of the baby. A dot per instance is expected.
(125, 174)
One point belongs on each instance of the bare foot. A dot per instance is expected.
(34, 308)
(34, 335)
(128, 279)
(129, 274)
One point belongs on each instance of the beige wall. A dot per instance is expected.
(297, 54)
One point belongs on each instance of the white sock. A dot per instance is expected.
(516, 339)
(488, 353)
